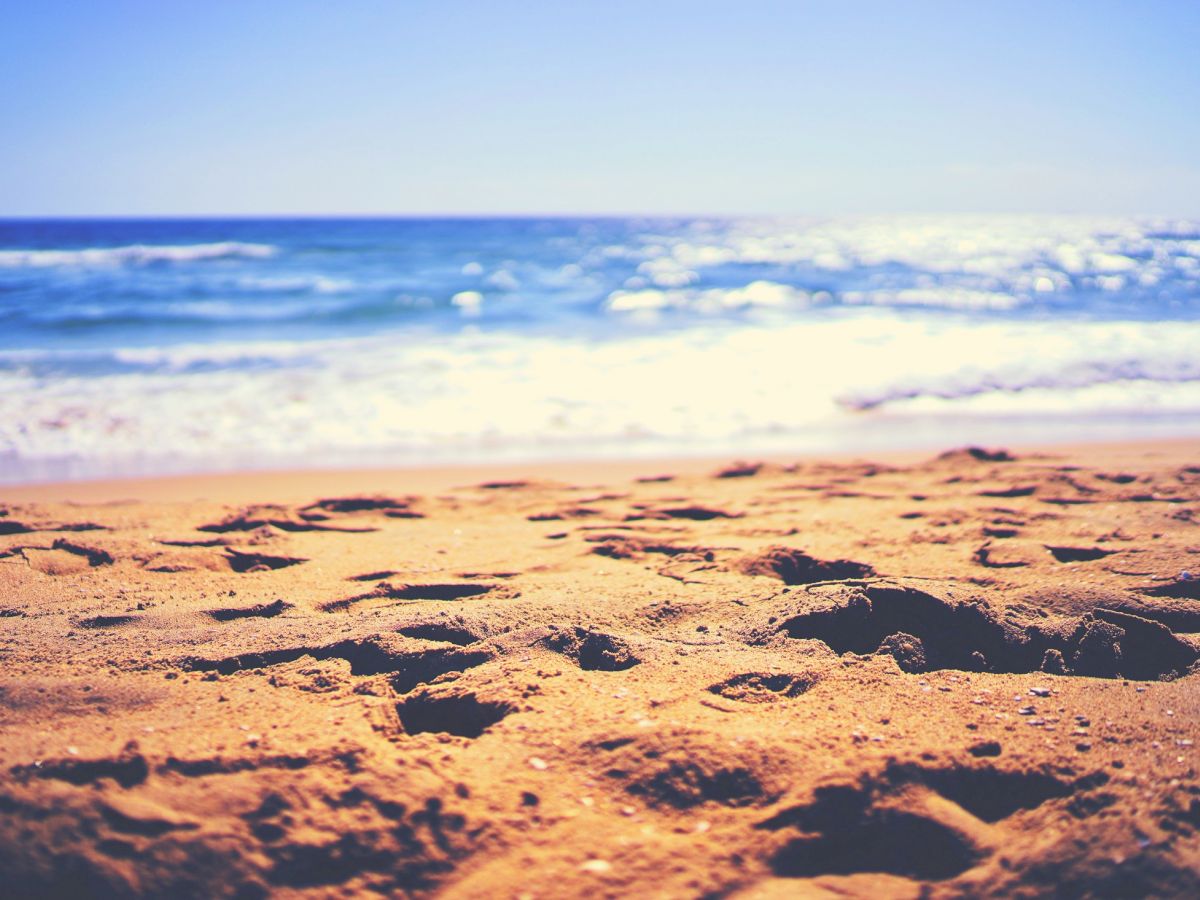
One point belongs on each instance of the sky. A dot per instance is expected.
(290, 107)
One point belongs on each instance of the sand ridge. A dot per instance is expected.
(970, 674)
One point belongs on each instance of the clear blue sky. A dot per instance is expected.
(193, 107)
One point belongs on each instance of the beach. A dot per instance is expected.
(890, 674)
(548, 451)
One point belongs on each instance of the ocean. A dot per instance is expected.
(157, 347)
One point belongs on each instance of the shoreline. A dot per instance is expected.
(291, 484)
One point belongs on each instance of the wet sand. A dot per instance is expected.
(969, 674)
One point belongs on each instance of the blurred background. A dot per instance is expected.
(283, 234)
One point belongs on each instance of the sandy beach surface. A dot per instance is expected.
(964, 674)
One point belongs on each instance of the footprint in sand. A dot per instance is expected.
(385, 591)
(63, 557)
(793, 566)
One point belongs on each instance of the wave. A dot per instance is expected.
(964, 385)
(997, 263)
(988, 246)
(773, 295)
(401, 395)
(48, 368)
(132, 254)
(332, 308)
(756, 294)
(296, 284)
(176, 315)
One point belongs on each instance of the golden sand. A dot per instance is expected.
(962, 675)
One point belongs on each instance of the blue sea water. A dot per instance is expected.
(139, 347)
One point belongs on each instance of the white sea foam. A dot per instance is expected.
(762, 294)
(317, 284)
(667, 272)
(1062, 376)
(804, 384)
(133, 254)
(955, 263)
(166, 360)
(504, 280)
(967, 362)
(944, 297)
(999, 251)
(469, 303)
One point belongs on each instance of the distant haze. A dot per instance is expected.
(152, 108)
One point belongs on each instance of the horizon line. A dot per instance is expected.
(517, 216)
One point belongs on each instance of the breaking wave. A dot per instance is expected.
(1072, 376)
(133, 254)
